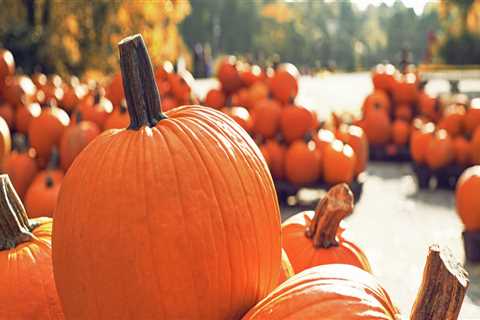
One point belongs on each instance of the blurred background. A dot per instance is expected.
(75, 37)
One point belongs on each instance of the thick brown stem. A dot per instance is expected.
(141, 92)
(443, 287)
(332, 208)
(15, 227)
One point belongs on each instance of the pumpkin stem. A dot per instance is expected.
(97, 96)
(123, 106)
(141, 92)
(15, 227)
(54, 159)
(443, 287)
(49, 181)
(78, 117)
(332, 208)
(20, 142)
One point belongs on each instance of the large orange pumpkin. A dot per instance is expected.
(118, 119)
(284, 84)
(315, 238)
(96, 108)
(463, 151)
(24, 114)
(400, 132)
(266, 118)
(25, 256)
(339, 162)
(303, 163)
(440, 151)
(46, 130)
(276, 153)
(192, 162)
(228, 75)
(419, 142)
(377, 127)
(215, 99)
(295, 122)
(468, 199)
(472, 117)
(383, 77)
(355, 137)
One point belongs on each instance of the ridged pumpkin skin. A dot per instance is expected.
(468, 199)
(334, 292)
(41, 197)
(286, 269)
(179, 166)
(309, 241)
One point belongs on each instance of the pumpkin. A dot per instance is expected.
(377, 99)
(24, 114)
(257, 92)
(315, 238)
(303, 163)
(334, 292)
(284, 83)
(323, 138)
(241, 116)
(453, 120)
(5, 141)
(428, 106)
(73, 92)
(355, 137)
(472, 117)
(118, 119)
(8, 114)
(462, 151)
(419, 142)
(251, 75)
(286, 269)
(339, 162)
(403, 112)
(41, 197)
(400, 132)
(7, 65)
(75, 139)
(114, 90)
(440, 150)
(181, 85)
(20, 165)
(476, 146)
(228, 75)
(405, 89)
(175, 162)
(467, 198)
(276, 153)
(215, 99)
(266, 117)
(169, 103)
(295, 122)
(17, 88)
(265, 155)
(53, 88)
(242, 98)
(161, 72)
(377, 126)
(96, 108)
(383, 77)
(46, 130)
(25, 253)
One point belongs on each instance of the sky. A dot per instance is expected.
(417, 5)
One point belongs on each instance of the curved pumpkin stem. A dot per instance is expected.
(141, 92)
(15, 227)
(334, 206)
(443, 287)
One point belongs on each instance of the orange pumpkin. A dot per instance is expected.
(476, 146)
(181, 84)
(463, 151)
(472, 117)
(53, 88)
(377, 99)
(440, 151)
(75, 139)
(18, 88)
(257, 92)
(96, 108)
(453, 120)
(323, 139)
(251, 75)
(377, 127)
(228, 75)
(428, 106)
(400, 132)
(25, 256)
(169, 103)
(419, 142)
(314, 238)
(215, 99)
(295, 122)
(24, 114)
(356, 138)
(403, 112)
(46, 130)
(73, 93)
(284, 83)
(405, 89)
(20, 165)
(41, 197)
(266, 117)
(467, 198)
(303, 163)
(118, 119)
(241, 98)
(286, 269)
(152, 168)
(7, 65)
(8, 114)
(339, 163)
(276, 153)
(383, 77)
(241, 116)
(114, 90)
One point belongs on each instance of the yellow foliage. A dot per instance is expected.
(279, 11)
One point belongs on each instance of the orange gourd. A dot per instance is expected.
(266, 118)
(400, 132)
(286, 269)
(46, 130)
(118, 119)
(276, 153)
(377, 99)
(75, 139)
(228, 75)
(472, 117)
(314, 238)
(96, 108)
(24, 114)
(463, 151)
(215, 99)
(440, 151)
(25, 257)
(356, 138)
(295, 122)
(383, 77)
(339, 163)
(41, 197)
(303, 163)
(419, 142)
(241, 116)
(192, 162)
(284, 83)
(377, 126)
(467, 198)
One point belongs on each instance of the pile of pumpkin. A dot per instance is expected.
(51, 120)
(176, 217)
(296, 149)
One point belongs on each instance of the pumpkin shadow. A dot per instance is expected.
(388, 170)
(473, 291)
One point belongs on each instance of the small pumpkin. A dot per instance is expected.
(400, 132)
(428, 106)
(463, 151)
(41, 197)
(314, 238)
(18, 88)
(252, 75)
(8, 114)
(228, 75)
(453, 120)
(24, 114)
(405, 89)
(339, 162)
(241, 98)
(215, 99)
(295, 122)
(467, 198)
(356, 138)
(377, 99)
(96, 108)
(440, 150)
(419, 141)
(118, 119)
(25, 256)
(181, 84)
(303, 163)
(404, 112)
(73, 93)
(472, 117)
(377, 126)
(324, 138)
(241, 116)
(284, 83)
(383, 77)
(276, 153)
(266, 117)
(114, 90)
(54, 88)
(257, 92)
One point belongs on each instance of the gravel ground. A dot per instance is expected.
(393, 221)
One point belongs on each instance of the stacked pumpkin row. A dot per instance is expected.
(295, 148)
(52, 121)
